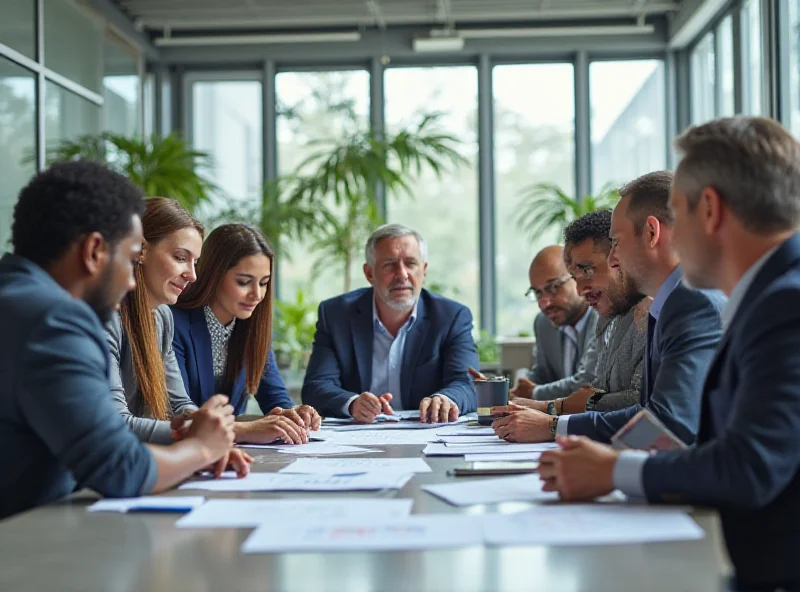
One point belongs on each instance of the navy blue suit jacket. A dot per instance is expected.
(192, 345)
(748, 451)
(59, 429)
(688, 331)
(438, 351)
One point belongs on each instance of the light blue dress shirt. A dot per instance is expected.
(387, 359)
(629, 469)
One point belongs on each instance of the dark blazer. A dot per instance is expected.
(688, 331)
(748, 452)
(59, 429)
(192, 345)
(438, 351)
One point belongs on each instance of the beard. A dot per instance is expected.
(623, 294)
(100, 299)
(399, 305)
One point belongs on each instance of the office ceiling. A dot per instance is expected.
(303, 15)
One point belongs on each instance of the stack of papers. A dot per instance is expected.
(526, 488)
(351, 466)
(282, 514)
(284, 482)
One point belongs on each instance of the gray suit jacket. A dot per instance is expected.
(620, 358)
(127, 397)
(548, 368)
(58, 428)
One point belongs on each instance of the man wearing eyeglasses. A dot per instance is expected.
(683, 329)
(564, 331)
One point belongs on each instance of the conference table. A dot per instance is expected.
(63, 547)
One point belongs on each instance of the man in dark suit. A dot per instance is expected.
(684, 327)
(736, 200)
(394, 346)
(77, 236)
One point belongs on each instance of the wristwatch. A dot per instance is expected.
(554, 426)
(551, 408)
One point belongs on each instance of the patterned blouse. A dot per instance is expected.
(220, 335)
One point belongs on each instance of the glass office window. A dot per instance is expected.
(17, 139)
(18, 26)
(794, 67)
(444, 210)
(316, 109)
(226, 123)
(725, 48)
(121, 91)
(68, 116)
(73, 43)
(703, 85)
(753, 70)
(534, 142)
(628, 120)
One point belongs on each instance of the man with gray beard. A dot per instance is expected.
(394, 346)
(621, 328)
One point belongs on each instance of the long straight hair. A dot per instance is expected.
(162, 217)
(251, 340)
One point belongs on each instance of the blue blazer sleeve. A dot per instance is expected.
(690, 329)
(754, 455)
(179, 347)
(67, 403)
(271, 390)
(322, 386)
(460, 354)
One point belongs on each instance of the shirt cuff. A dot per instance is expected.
(346, 408)
(561, 426)
(628, 472)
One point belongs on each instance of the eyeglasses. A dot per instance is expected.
(583, 271)
(550, 289)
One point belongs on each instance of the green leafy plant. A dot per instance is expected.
(160, 166)
(284, 214)
(488, 350)
(352, 171)
(293, 334)
(545, 206)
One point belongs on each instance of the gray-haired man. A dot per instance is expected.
(394, 346)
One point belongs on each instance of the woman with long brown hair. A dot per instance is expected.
(223, 335)
(145, 379)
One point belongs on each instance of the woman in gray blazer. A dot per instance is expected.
(145, 380)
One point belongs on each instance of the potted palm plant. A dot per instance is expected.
(165, 166)
(352, 172)
(545, 206)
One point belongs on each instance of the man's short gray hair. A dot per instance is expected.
(392, 231)
(752, 162)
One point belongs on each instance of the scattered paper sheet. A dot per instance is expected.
(598, 524)
(469, 440)
(152, 503)
(491, 491)
(469, 432)
(284, 482)
(380, 437)
(313, 448)
(451, 449)
(503, 456)
(413, 533)
(350, 466)
(287, 513)
(398, 425)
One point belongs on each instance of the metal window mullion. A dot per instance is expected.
(41, 148)
(583, 141)
(739, 60)
(486, 195)
(779, 45)
(377, 116)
